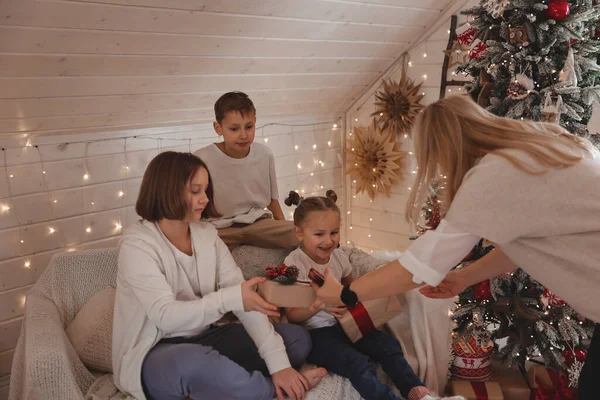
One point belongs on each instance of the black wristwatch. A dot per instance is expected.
(348, 297)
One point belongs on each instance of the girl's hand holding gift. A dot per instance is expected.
(252, 300)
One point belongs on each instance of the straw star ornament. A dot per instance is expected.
(397, 105)
(375, 160)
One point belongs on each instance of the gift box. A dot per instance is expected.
(299, 294)
(368, 316)
(511, 380)
(477, 390)
(472, 362)
(547, 384)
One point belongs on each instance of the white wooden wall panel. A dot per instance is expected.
(6, 361)
(399, 13)
(78, 66)
(46, 65)
(54, 124)
(388, 229)
(52, 106)
(51, 40)
(18, 88)
(8, 332)
(137, 19)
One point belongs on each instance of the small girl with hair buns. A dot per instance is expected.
(317, 226)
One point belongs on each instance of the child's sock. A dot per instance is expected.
(422, 393)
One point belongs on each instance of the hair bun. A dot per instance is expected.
(330, 194)
(292, 199)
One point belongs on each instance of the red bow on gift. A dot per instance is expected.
(559, 390)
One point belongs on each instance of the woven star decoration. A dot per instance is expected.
(374, 160)
(458, 54)
(397, 105)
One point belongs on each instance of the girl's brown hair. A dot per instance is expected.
(163, 191)
(310, 204)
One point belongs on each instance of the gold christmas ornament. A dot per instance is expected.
(397, 105)
(374, 160)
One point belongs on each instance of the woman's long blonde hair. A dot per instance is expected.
(451, 134)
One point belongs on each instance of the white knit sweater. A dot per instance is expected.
(154, 298)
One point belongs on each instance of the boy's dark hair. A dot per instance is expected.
(233, 101)
(310, 204)
(162, 194)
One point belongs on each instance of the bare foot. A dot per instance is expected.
(314, 376)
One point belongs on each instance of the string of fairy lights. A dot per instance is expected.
(52, 223)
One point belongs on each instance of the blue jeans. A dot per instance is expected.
(334, 351)
(220, 363)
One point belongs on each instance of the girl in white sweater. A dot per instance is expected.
(176, 278)
(531, 188)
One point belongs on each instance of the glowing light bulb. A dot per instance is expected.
(27, 264)
(88, 229)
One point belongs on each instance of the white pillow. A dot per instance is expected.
(90, 332)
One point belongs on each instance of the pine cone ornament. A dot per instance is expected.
(292, 272)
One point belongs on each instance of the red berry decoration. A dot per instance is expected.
(483, 291)
(558, 10)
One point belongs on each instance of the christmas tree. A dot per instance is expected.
(535, 60)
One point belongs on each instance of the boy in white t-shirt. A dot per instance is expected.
(317, 226)
(244, 179)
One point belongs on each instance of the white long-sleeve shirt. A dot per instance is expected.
(155, 298)
(548, 225)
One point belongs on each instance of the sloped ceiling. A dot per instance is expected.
(77, 65)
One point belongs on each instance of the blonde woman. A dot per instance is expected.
(531, 188)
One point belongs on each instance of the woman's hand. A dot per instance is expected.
(331, 290)
(334, 311)
(290, 382)
(452, 285)
(252, 300)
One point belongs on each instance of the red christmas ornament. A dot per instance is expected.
(483, 291)
(558, 10)
(572, 355)
(580, 355)
(569, 356)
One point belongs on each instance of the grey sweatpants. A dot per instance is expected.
(221, 363)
